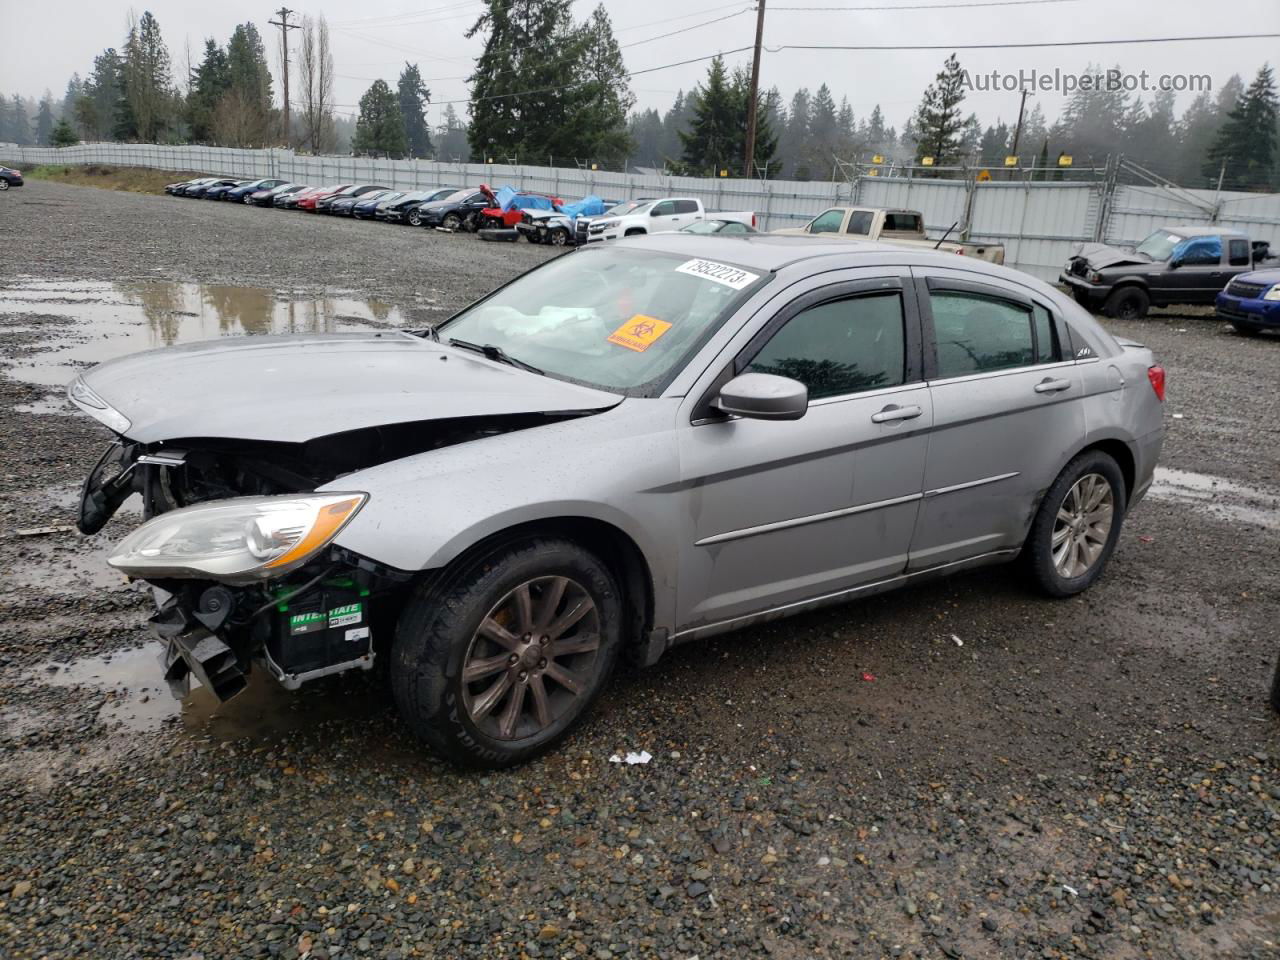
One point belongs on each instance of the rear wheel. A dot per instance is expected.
(4, 185)
(1127, 303)
(415, 218)
(496, 664)
(1076, 528)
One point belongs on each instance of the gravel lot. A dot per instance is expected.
(1091, 778)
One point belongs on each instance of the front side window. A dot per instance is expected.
(1200, 252)
(664, 209)
(860, 222)
(840, 347)
(611, 317)
(828, 222)
(978, 334)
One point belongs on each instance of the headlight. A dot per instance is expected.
(1093, 276)
(237, 541)
(1273, 293)
(607, 225)
(88, 401)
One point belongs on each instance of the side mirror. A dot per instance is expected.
(1175, 263)
(763, 396)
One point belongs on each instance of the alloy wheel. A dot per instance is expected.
(4, 184)
(1082, 526)
(559, 238)
(535, 653)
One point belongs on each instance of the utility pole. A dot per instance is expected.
(1017, 131)
(749, 162)
(285, 26)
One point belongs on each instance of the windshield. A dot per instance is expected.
(705, 226)
(456, 197)
(611, 317)
(629, 206)
(1159, 246)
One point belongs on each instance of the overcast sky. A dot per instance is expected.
(48, 40)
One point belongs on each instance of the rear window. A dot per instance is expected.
(909, 222)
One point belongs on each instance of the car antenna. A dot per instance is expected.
(945, 235)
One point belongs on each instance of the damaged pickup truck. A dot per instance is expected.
(629, 447)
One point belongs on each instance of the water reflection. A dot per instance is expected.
(97, 321)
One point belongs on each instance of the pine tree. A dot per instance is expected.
(678, 118)
(147, 80)
(707, 147)
(645, 130)
(245, 109)
(380, 127)
(847, 131)
(795, 137)
(44, 119)
(600, 99)
(938, 122)
(63, 134)
(822, 141)
(451, 136)
(414, 97)
(209, 84)
(97, 107)
(1245, 147)
(19, 125)
(75, 90)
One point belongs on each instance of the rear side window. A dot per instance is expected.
(827, 222)
(1048, 344)
(686, 206)
(840, 347)
(1239, 253)
(977, 334)
(860, 222)
(1200, 252)
(909, 222)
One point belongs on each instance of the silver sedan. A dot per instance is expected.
(630, 447)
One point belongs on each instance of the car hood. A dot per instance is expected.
(1269, 275)
(296, 388)
(1102, 255)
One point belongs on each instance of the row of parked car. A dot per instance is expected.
(503, 214)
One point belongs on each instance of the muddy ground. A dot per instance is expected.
(962, 769)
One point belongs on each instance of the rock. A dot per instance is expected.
(21, 889)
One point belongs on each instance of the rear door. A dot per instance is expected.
(1006, 406)
(783, 512)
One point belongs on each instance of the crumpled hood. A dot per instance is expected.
(1102, 255)
(297, 388)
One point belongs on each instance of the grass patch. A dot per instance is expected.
(129, 179)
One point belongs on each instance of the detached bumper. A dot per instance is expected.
(1262, 313)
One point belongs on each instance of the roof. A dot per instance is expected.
(1204, 231)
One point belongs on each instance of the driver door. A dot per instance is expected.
(781, 512)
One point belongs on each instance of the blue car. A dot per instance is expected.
(241, 193)
(1251, 302)
(366, 207)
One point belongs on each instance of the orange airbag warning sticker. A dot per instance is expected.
(639, 333)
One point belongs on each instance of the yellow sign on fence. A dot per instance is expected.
(983, 176)
(926, 161)
(724, 173)
(877, 159)
(873, 172)
(1064, 160)
(1010, 161)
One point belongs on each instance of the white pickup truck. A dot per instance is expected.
(652, 215)
(900, 228)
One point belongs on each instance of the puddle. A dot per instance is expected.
(1226, 499)
(138, 699)
(87, 322)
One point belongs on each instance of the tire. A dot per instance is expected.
(247, 201)
(4, 185)
(1082, 298)
(635, 232)
(1246, 329)
(415, 218)
(559, 237)
(1127, 303)
(451, 221)
(472, 722)
(1065, 519)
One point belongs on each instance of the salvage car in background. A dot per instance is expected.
(245, 189)
(703, 432)
(1184, 264)
(399, 211)
(366, 207)
(902, 228)
(1251, 302)
(10, 177)
(176, 188)
(728, 228)
(652, 216)
(267, 198)
(458, 210)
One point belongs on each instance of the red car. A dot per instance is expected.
(308, 202)
(495, 216)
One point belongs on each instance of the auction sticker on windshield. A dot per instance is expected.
(719, 272)
(639, 333)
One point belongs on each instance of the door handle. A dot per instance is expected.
(1052, 386)
(893, 412)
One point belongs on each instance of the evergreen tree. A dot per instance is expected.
(380, 127)
(451, 136)
(75, 90)
(244, 111)
(210, 82)
(95, 111)
(796, 135)
(823, 140)
(938, 122)
(970, 137)
(600, 99)
(1153, 139)
(517, 93)
(44, 119)
(63, 134)
(994, 145)
(847, 131)
(147, 81)
(414, 97)
(645, 130)
(674, 121)
(707, 147)
(4, 120)
(1093, 121)
(1245, 147)
(19, 127)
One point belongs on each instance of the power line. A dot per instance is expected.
(285, 26)
(926, 6)
(1017, 46)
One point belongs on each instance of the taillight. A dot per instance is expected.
(960, 251)
(753, 221)
(1156, 375)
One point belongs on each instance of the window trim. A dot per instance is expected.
(840, 223)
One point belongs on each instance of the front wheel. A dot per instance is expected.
(1076, 528)
(559, 237)
(4, 185)
(1127, 303)
(497, 664)
(451, 221)
(415, 218)
(1244, 328)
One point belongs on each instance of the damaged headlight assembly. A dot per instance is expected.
(78, 392)
(239, 541)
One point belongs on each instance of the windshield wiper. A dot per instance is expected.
(492, 352)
